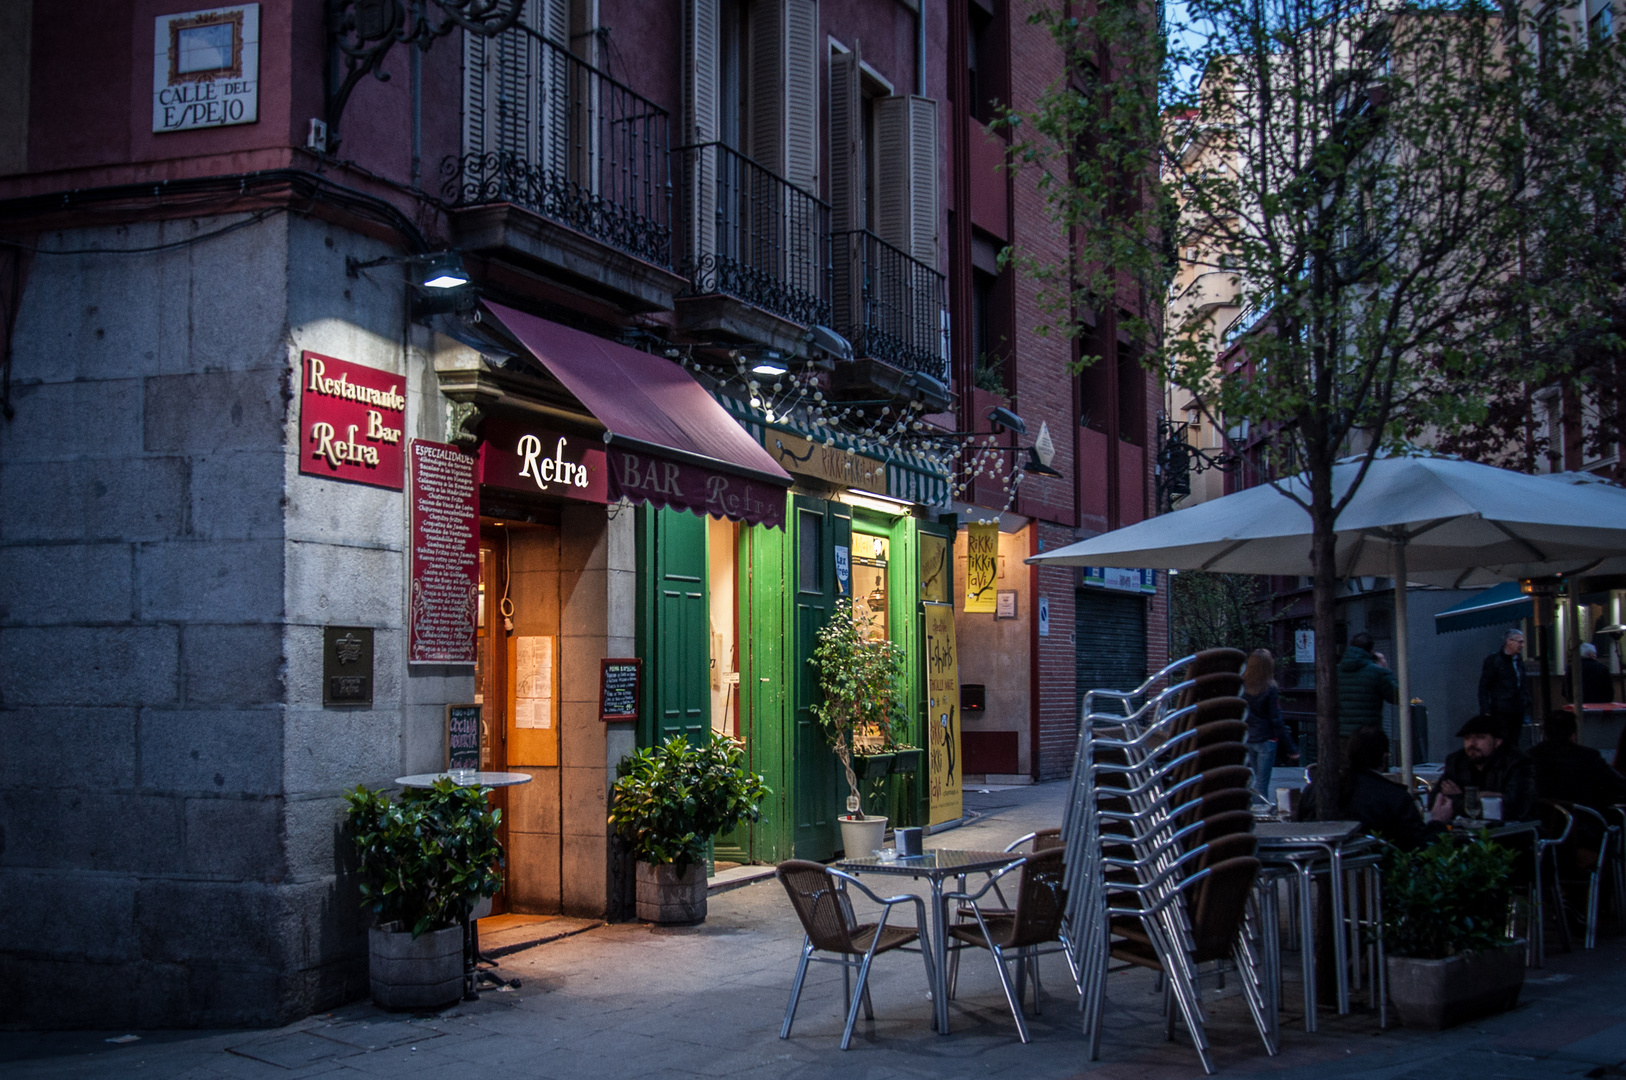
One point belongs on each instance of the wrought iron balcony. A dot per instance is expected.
(889, 305)
(753, 235)
(573, 145)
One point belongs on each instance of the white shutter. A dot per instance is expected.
(784, 90)
(515, 94)
(551, 91)
(701, 77)
(906, 167)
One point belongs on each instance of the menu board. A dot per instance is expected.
(445, 555)
(618, 689)
(462, 737)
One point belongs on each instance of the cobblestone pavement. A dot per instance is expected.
(630, 1000)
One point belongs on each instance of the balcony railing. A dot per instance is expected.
(889, 305)
(753, 235)
(573, 145)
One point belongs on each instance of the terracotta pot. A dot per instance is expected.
(426, 973)
(665, 896)
(861, 836)
(1435, 994)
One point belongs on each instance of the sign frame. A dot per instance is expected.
(479, 727)
(605, 664)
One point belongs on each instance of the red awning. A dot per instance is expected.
(670, 443)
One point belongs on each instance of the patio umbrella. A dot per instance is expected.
(1415, 517)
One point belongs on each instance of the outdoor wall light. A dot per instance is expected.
(441, 270)
(770, 365)
(884, 504)
(1001, 417)
(1036, 467)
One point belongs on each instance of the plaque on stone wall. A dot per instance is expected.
(444, 599)
(347, 665)
(618, 688)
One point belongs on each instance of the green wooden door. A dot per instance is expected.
(673, 625)
(817, 529)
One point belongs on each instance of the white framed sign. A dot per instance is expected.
(206, 68)
(1044, 615)
(1005, 604)
(1304, 646)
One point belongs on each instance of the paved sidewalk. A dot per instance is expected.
(632, 1001)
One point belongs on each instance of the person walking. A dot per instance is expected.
(1504, 691)
(1364, 684)
(1267, 737)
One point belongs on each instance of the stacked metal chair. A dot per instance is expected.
(1159, 842)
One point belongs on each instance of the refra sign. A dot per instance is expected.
(519, 457)
(350, 421)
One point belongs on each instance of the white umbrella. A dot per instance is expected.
(1437, 520)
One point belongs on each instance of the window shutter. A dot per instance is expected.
(907, 175)
(551, 19)
(701, 76)
(846, 185)
(515, 94)
(784, 81)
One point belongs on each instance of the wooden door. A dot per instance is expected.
(491, 679)
(818, 528)
(675, 640)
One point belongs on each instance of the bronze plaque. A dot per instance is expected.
(347, 665)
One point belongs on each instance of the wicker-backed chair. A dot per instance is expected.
(1035, 921)
(819, 896)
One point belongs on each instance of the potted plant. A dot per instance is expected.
(424, 862)
(667, 803)
(1445, 933)
(860, 679)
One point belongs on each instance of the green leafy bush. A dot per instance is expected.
(860, 684)
(426, 860)
(670, 800)
(1447, 898)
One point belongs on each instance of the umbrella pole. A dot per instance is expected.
(1403, 667)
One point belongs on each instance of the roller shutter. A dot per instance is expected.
(1111, 641)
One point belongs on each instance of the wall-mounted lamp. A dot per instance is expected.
(1036, 467)
(884, 504)
(770, 363)
(439, 270)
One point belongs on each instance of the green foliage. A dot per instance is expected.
(426, 860)
(1447, 898)
(670, 800)
(988, 373)
(861, 685)
(1212, 611)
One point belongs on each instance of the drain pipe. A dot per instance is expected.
(920, 47)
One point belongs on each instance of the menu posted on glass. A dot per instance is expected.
(618, 690)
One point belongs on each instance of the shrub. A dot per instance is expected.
(670, 800)
(1447, 898)
(426, 860)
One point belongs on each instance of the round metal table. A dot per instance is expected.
(472, 972)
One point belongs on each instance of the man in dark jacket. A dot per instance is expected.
(1365, 795)
(1504, 692)
(1597, 681)
(1491, 764)
(1570, 772)
(1364, 684)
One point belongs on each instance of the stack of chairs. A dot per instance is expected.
(1160, 852)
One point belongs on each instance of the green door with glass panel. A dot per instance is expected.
(817, 529)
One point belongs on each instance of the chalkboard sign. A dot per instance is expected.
(618, 690)
(462, 737)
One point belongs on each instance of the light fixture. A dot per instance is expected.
(1002, 417)
(884, 504)
(770, 365)
(445, 271)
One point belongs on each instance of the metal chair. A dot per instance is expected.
(1035, 921)
(819, 896)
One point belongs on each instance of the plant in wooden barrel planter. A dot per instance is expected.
(424, 862)
(861, 708)
(667, 803)
(1445, 932)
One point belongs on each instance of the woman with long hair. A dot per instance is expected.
(1267, 736)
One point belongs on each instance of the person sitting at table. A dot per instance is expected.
(1381, 806)
(1489, 763)
(1570, 772)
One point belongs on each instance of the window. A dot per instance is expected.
(1131, 397)
(985, 78)
(810, 552)
(1600, 19)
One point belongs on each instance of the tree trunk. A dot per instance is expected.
(1323, 553)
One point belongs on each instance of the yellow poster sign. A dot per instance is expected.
(942, 716)
(981, 566)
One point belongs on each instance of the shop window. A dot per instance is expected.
(870, 591)
(810, 552)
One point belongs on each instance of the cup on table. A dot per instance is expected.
(908, 840)
(1491, 807)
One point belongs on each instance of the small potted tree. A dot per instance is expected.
(1445, 933)
(861, 708)
(667, 803)
(424, 862)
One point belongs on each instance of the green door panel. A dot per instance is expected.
(673, 628)
(817, 528)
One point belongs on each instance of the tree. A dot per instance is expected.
(1210, 611)
(1406, 196)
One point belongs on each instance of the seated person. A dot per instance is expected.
(1381, 806)
(1570, 772)
(1490, 764)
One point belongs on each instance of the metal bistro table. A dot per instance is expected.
(936, 866)
(472, 973)
(1299, 845)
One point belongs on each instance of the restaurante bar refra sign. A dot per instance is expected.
(351, 419)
